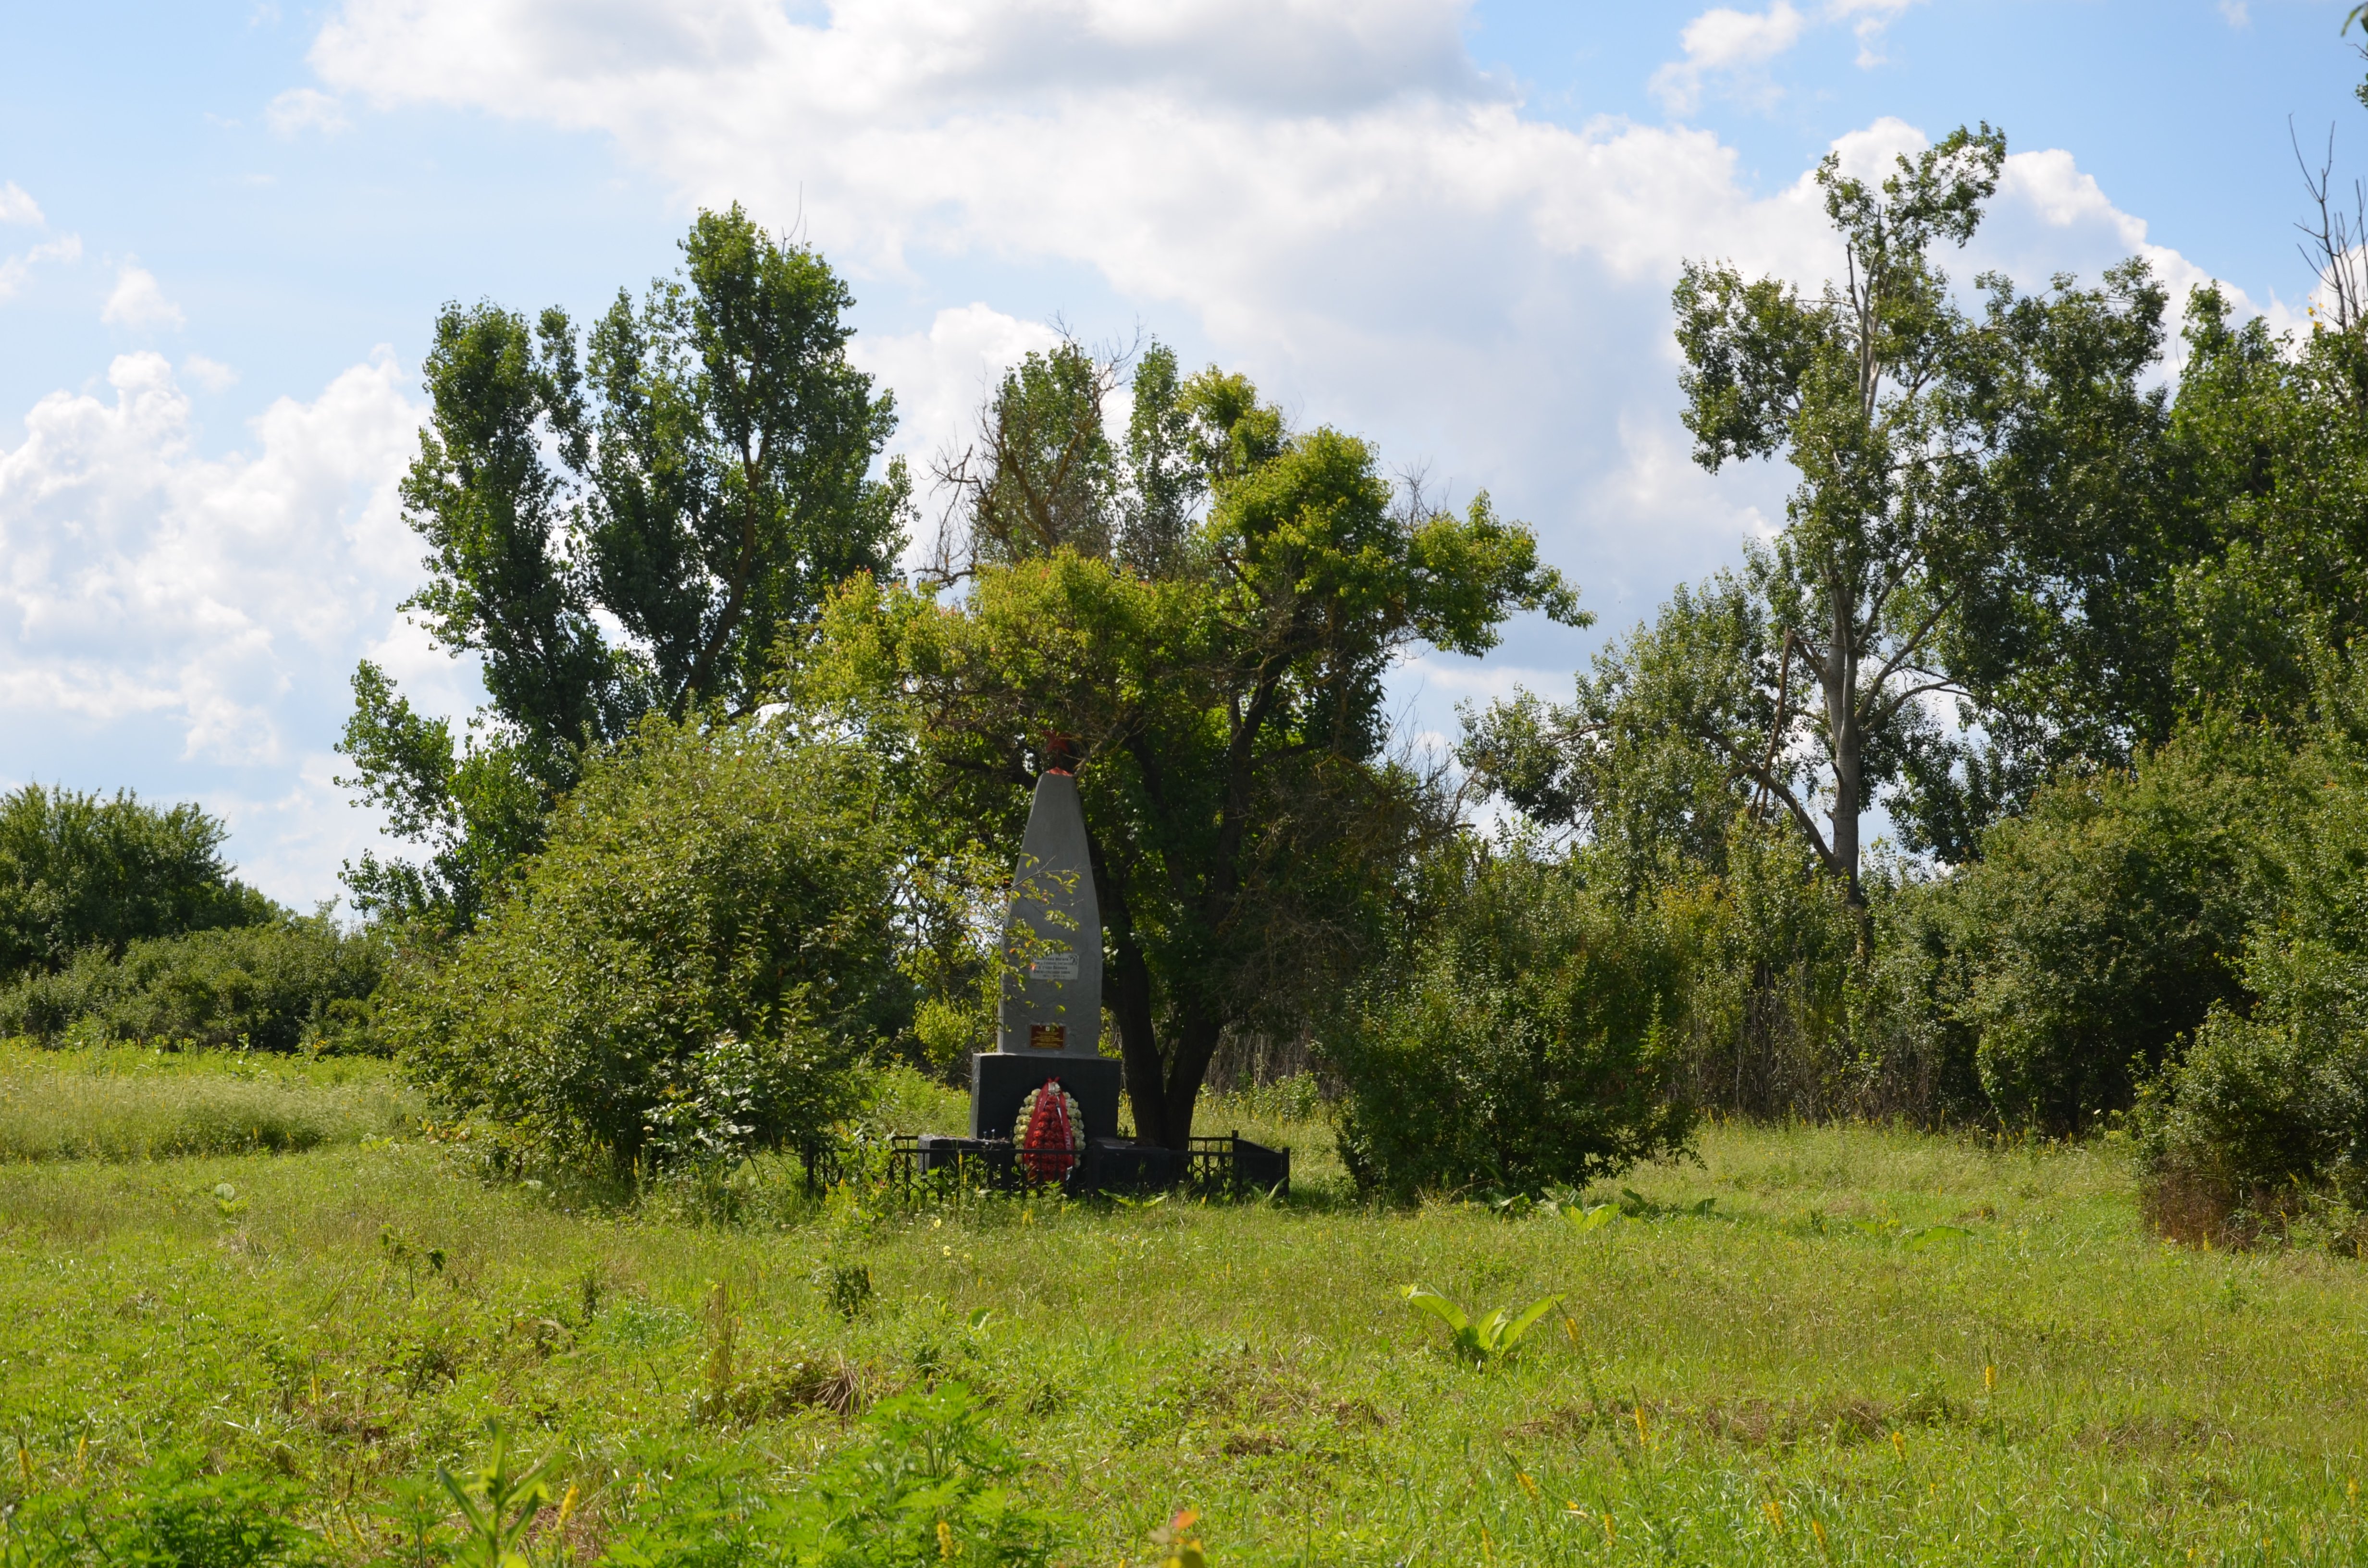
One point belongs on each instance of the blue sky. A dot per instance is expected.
(224, 230)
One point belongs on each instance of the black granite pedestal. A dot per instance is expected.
(1001, 1082)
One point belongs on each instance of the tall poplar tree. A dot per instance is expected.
(1974, 492)
(620, 522)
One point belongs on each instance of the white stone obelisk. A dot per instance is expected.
(1052, 1002)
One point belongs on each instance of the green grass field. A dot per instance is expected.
(1803, 1373)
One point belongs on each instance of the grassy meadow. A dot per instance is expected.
(1815, 1344)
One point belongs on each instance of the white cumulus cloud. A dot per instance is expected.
(138, 299)
(1330, 195)
(1868, 19)
(305, 108)
(1734, 47)
(211, 374)
(1725, 40)
(205, 612)
(1325, 194)
(15, 206)
(16, 270)
(940, 376)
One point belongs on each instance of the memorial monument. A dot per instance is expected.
(1043, 1103)
(1049, 1018)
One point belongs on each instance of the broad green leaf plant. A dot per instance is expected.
(1487, 1341)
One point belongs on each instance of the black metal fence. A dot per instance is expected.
(1230, 1166)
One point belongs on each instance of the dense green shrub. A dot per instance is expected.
(1530, 1038)
(1908, 1021)
(1768, 1028)
(79, 870)
(2102, 927)
(2266, 1110)
(298, 982)
(689, 971)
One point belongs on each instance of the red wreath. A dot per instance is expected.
(1048, 1148)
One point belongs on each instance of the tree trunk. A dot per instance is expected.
(1129, 998)
(1841, 680)
(1196, 1044)
(1127, 992)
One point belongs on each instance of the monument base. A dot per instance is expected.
(1001, 1082)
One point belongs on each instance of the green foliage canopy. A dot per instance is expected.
(295, 981)
(1531, 1039)
(699, 476)
(79, 870)
(1967, 484)
(1223, 715)
(689, 967)
(2099, 929)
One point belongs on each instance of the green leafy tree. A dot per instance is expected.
(1044, 473)
(1225, 720)
(1967, 485)
(80, 871)
(477, 807)
(695, 471)
(2264, 1112)
(1850, 387)
(295, 982)
(2271, 439)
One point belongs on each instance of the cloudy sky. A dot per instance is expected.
(226, 226)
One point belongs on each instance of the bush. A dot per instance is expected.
(1908, 1019)
(687, 972)
(296, 982)
(2266, 1113)
(78, 871)
(2104, 924)
(1768, 1029)
(1531, 1041)
(2263, 1116)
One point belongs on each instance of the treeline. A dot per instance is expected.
(120, 921)
(739, 814)
(2091, 641)
(678, 884)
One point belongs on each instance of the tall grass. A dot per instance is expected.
(1872, 1347)
(127, 1103)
